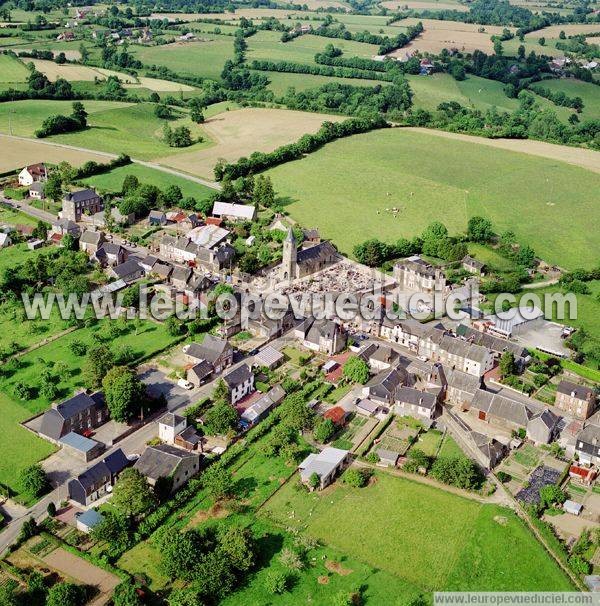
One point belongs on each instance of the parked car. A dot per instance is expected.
(185, 384)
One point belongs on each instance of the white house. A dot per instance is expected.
(169, 426)
(33, 172)
(240, 382)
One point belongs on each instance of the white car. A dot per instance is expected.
(185, 384)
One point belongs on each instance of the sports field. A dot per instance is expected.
(346, 187)
(241, 132)
(397, 525)
(113, 180)
(113, 127)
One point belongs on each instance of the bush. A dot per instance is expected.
(357, 478)
(276, 582)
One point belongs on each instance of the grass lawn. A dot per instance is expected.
(113, 180)
(405, 534)
(450, 448)
(151, 337)
(20, 447)
(144, 558)
(429, 442)
(204, 58)
(527, 456)
(492, 258)
(18, 253)
(359, 177)
(114, 127)
(12, 70)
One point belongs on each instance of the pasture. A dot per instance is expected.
(16, 153)
(405, 535)
(358, 178)
(590, 93)
(113, 127)
(241, 132)
(570, 29)
(113, 180)
(267, 45)
(424, 5)
(200, 58)
(12, 70)
(279, 82)
(448, 34)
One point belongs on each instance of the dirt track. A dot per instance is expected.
(585, 158)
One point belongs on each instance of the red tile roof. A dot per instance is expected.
(337, 414)
(214, 221)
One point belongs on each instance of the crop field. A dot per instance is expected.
(70, 49)
(358, 178)
(12, 70)
(113, 127)
(424, 5)
(267, 45)
(570, 29)
(113, 180)
(447, 34)
(201, 58)
(18, 153)
(405, 535)
(590, 93)
(248, 13)
(241, 132)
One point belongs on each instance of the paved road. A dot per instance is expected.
(164, 169)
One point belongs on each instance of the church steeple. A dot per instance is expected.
(289, 259)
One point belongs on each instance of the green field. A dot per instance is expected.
(281, 81)
(113, 127)
(15, 217)
(395, 525)
(150, 338)
(20, 447)
(113, 180)
(204, 59)
(359, 177)
(12, 70)
(590, 93)
(268, 46)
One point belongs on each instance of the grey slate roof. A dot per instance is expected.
(500, 406)
(496, 344)
(91, 237)
(81, 195)
(319, 253)
(211, 348)
(202, 370)
(78, 442)
(386, 383)
(171, 419)
(416, 397)
(237, 376)
(161, 461)
(322, 463)
(130, 266)
(581, 392)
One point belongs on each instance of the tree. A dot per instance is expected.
(526, 256)
(457, 471)
(124, 393)
(126, 594)
(29, 529)
(542, 41)
(220, 392)
(33, 480)
(356, 477)
(79, 113)
(551, 495)
(66, 594)
(188, 596)
(172, 195)
(479, 230)
(214, 576)
(51, 509)
(218, 480)
(237, 546)
(98, 362)
(114, 529)
(498, 47)
(356, 370)
(508, 366)
(179, 552)
(324, 430)
(53, 188)
(220, 418)
(314, 481)
(263, 192)
(132, 494)
(130, 184)
(8, 593)
(276, 581)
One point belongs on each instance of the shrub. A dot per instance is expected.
(357, 478)
(276, 582)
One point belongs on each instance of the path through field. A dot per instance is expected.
(585, 158)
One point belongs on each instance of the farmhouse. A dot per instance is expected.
(473, 265)
(241, 212)
(77, 414)
(111, 254)
(90, 241)
(379, 357)
(500, 410)
(169, 425)
(413, 273)
(166, 462)
(199, 373)
(325, 336)
(543, 427)
(98, 480)
(491, 450)
(83, 201)
(157, 218)
(129, 271)
(577, 400)
(384, 386)
(326, 465)
(64, 227)
(240, 382)
(32, 173)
